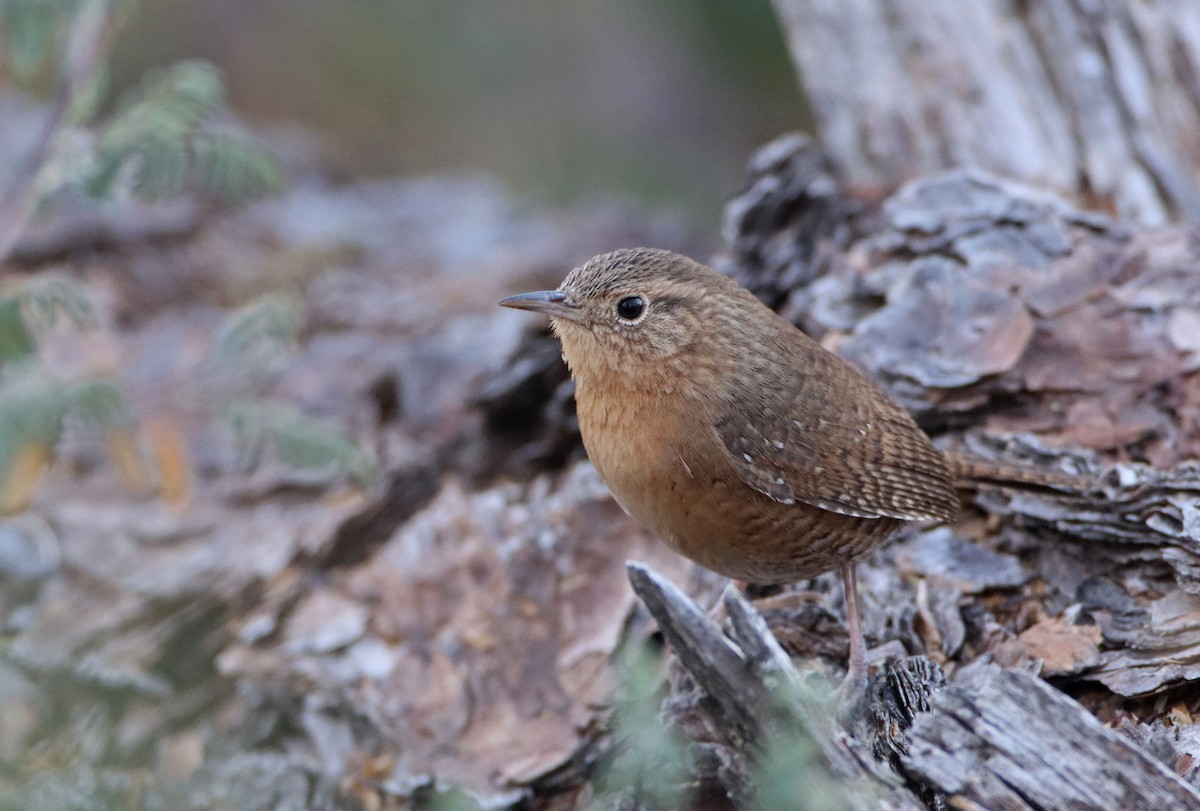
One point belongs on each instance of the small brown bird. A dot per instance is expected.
(729, 433)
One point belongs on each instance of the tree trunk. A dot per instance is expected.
(1100, 100)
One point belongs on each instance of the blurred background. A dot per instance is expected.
(660, 101)
(224, 397)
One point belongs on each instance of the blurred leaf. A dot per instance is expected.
(31, 417)
(163, 136)
(792, 772)
(16, 341)
(34, 305)
(46, 297)
(161, 169)
(29, 28)
(33, 411)
(652, 760)
(234, 169)
(301, 444)
(97, 403)
(255, 341)
(169, 105)
(150, 129)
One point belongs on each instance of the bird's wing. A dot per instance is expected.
(830, 438)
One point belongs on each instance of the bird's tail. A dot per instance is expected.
(971, 472)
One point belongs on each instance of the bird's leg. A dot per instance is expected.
(856, 670)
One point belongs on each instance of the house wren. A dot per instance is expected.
(729, 433)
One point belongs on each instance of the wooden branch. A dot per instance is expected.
(1017, 743)
(715, 662)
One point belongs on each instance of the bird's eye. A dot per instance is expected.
(630, 308)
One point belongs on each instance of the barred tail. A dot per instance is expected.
(970, 471)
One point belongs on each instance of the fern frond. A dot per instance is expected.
(163, 137)
(33, 306)
(168, 106)
(150, 131)
(233, 169)
(33, 412)
(309, 448)
(97, 403)
(160, 169)
(258, 336)
(48, 297)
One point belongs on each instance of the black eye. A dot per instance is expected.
(630, 307)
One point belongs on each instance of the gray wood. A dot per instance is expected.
(997, 739)
(1017, 743)
(756, 693)
(1100, 100)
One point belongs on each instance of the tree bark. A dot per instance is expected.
(1100, 100)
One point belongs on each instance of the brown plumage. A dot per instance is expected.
(729, 433)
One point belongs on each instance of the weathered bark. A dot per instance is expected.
(749, 680)
(1017, 743)
(1005, 740)
(1099, 100)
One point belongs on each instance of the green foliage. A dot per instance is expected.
(30, 30)
(170, 104)
(249, 348)
(48, 298)
(169, 137)
(16, 341)
(257, 337)
(35, 305)
(791, 771)
(651, 768)
(34, 410)
(450, 799)
(232, 168)
(652, 760)
(162, 138)
(302, 444)
(34, 407)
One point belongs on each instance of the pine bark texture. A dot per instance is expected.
(1099, 100)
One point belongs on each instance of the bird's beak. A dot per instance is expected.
(553, 303)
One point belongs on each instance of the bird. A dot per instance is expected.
(729, 433)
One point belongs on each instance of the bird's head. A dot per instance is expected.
(640, 316)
